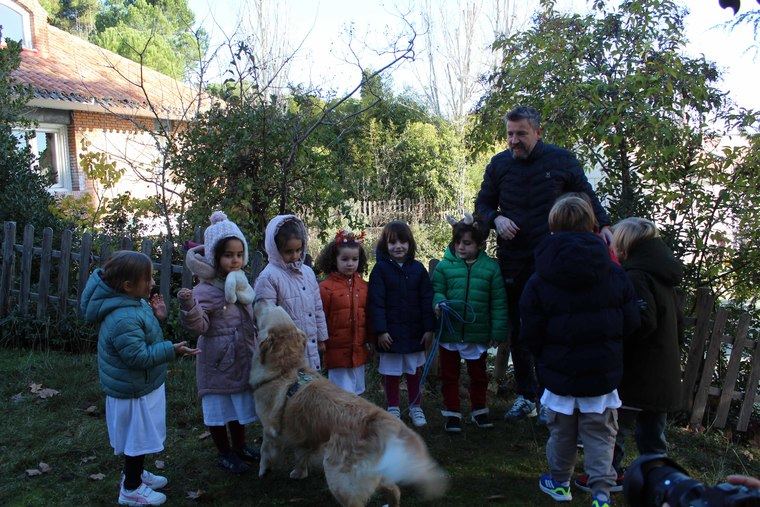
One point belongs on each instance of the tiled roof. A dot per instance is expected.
(75, 71)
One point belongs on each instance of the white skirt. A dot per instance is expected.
(219, 409)
(348, 379)
(467, 351)
(137, 426)
(397, 364)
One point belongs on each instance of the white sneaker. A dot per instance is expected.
(153, 481)
(395, 411)
(141, 496)
(418, 416)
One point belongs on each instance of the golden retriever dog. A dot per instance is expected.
(362, 448)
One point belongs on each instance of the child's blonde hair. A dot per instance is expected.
(629, 232)
(571, 214)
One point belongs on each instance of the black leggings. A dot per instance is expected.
(133, 469)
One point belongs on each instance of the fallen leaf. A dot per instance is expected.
(31, 472)
(295, 500)
(160, 464)
(44, 467)
(195, 495)
(91, 409)
(35, 387)
(203, 435)
(87, 459)
(17, 398)
(97, 477)
(46, 393)
(495, 498)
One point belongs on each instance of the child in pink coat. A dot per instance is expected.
(287, 282)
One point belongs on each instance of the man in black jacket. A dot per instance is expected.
(519, 187)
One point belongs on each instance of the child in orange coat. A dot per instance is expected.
(344, 299)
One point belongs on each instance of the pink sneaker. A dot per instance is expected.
(141, 496)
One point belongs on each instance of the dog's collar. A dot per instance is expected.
(303, 379)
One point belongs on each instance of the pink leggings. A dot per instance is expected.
(392, 389)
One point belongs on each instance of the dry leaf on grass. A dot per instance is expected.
(160, 464)
(44, 467)
(31, 472)
(87, 459)
(495, 498)
(97, 477)
(17, 398)
(91, 409)
(47, 393)
(42, 393)
(195, 495)
(203, 435)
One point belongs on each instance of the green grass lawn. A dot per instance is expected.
(499, 466)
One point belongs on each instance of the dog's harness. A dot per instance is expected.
(302, 380)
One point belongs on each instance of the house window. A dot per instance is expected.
(15, 23)
(50, 146)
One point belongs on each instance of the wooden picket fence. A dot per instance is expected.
(705, 349)
(379, 213)
(72, 268)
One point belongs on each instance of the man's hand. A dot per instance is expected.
(185, 297)
(437, 311)
(181, 349)
(606, 233)
(158, 306)
(505, 227)
(385, 341)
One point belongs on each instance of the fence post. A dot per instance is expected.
(43, 290)
(84, 265)
(63, 271)
(729, 381)
(105, 249)
(125, 244)
(716, 339)
(704, 306)
(6, 275)
(147, 247)
(750, 391)
(27, 254)
(257, 265)
(166, 270)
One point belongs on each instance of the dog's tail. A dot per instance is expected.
(406, 461)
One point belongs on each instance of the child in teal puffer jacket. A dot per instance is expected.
(470, 281)
(132, 357)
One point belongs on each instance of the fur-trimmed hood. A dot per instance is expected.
(236, 287)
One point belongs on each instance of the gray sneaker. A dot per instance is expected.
(521, 409)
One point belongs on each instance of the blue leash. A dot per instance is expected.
(448, 316)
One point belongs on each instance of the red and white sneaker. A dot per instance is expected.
(143, 495)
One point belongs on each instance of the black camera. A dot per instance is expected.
(654, 479)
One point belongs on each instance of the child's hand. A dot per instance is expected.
(427, 338)
(159, 306)
(437, 311)
(185, 297)
(321, 347)
(370, 349)
(385, 341)
(181, 349)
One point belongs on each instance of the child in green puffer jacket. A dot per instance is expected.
(132, 357)
(469, 280)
